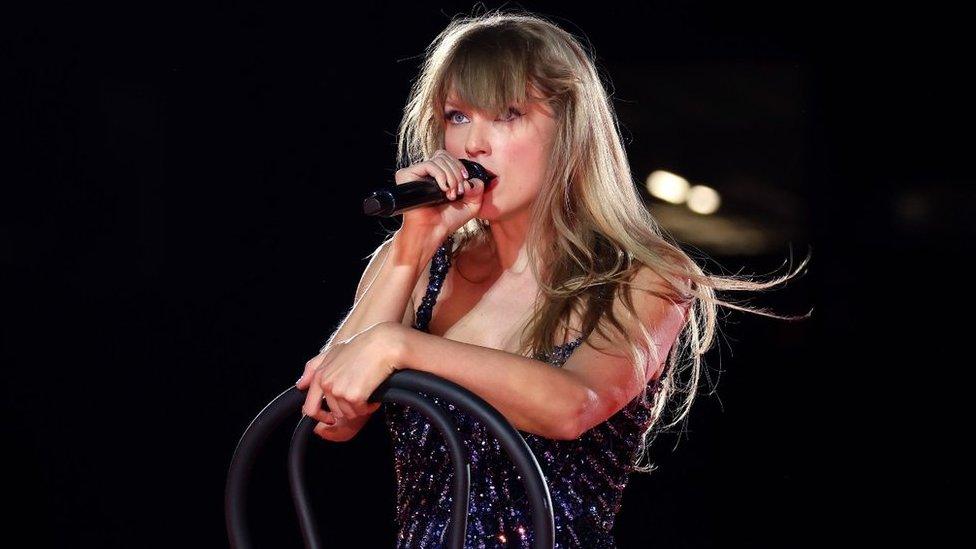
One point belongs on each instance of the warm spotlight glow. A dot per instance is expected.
(703, 199)
(667, 186)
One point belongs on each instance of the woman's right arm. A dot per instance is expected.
(391, 275)
(384, 294)
(386, 286)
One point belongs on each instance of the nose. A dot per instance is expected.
(476, 142)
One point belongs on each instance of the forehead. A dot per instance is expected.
(453, 100)
(532, 102)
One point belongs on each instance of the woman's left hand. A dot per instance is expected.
(348, 372)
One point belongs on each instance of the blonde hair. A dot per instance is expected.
(589, 225)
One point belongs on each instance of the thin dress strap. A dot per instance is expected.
(438, 271)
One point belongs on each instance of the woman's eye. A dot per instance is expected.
(515, 112)
(512, 111)
(449, 116)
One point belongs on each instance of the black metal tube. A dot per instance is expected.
(439, 418)
(290, 401)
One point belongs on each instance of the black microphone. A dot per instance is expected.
(390, 201)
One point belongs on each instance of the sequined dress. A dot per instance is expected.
(586, 476)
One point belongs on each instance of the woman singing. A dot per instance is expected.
(551, 293)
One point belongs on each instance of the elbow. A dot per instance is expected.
(574, 422)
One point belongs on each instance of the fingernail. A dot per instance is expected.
(465, 172)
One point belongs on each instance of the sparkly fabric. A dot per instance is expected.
(586, 476)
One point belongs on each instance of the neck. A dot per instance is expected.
(508, 244)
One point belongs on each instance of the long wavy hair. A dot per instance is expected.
(590, 227)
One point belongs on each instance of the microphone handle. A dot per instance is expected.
(410, 195)
(388, 202)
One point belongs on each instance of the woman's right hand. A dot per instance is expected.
(465, 196)
(330, 426)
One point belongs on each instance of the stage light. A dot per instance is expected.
(667, 186)
(703, 199)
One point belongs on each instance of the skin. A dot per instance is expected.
(557, 403)
(516, 148)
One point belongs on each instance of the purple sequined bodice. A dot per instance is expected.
(586, 476)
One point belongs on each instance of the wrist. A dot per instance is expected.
(415, 249)
(393, 336)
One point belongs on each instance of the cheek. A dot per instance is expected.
(528, 162)
(454, 144)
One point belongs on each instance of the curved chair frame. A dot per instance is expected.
(401, 387)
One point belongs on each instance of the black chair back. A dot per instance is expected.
(401, 387)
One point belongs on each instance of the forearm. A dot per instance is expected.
(386, 297)
(534, 396)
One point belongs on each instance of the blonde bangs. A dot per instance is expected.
(488, 70)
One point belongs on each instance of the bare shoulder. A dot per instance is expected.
(648, 281)
(657, 302)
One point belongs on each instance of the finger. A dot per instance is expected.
(438, 173)
(334, 407)
(463, 174)
(360, 407)
(321, 429)
(302, 382)
(326, 417)
(313, 364)
(449, 175)
(455, 167)
(462, 168)
(313, 399)
(348, 411)
(472, 187)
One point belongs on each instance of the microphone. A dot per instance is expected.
(391, 201)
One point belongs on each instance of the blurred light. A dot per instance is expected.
(703, 199)
(667, 186)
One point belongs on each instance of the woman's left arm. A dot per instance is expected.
(596, 382)
(534, 396)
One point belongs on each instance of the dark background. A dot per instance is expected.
(180, 234)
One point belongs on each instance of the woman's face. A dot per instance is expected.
(515, 147)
